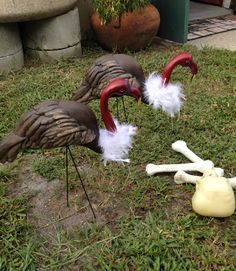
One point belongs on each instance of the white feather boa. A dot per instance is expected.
(168, 98)
(116, 145)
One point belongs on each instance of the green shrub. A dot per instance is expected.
(108, 9)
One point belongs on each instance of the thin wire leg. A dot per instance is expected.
(117, 109)
(67, 174)
(77, 171)
(124, 109)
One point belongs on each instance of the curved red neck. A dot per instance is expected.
(114, 87)
(170, 65)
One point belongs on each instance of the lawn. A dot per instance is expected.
(143, 223)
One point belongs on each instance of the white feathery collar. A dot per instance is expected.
(116, 145)
(168, 98)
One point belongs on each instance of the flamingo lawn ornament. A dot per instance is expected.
(160, 93)
(57, 123)
(156, 90)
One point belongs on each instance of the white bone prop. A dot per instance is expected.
(183, 177)
(181, 146)
(152, 169)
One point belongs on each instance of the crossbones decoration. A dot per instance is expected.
(198, 164)
(214, 194)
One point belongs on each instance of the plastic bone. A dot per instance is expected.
(183, 177)
(181, 147)
(152, 169)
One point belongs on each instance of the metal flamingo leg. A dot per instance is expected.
(124, 109)
(117, 108)
(77, 171)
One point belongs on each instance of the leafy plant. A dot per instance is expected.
(107, 9)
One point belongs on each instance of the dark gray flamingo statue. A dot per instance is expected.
(156, 90)
(57, 123)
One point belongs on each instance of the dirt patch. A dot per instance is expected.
(162, 44)
(48, 203)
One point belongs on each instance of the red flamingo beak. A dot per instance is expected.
(135, 92)
(194, 68)
(186, 60)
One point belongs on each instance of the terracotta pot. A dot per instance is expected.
(133, 31)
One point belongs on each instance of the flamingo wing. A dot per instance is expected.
(49, 125)
(102, 71)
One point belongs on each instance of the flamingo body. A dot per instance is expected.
(52, 124)
(105, 69)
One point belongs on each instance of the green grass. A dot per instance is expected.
(149, 221)
(153, 243)
(16, 235)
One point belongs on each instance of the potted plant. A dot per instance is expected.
(124, 24)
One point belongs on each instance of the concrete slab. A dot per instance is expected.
(207, 27)
(11, 52)
(10, 39)
(12, 62)
(200, 11)
(226, 40)
(54, 33)
(27, 10)
(223, 18)
(53, 38)
(48, 56)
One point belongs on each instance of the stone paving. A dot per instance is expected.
(207, 27)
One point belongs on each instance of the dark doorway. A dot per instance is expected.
(214, 2)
